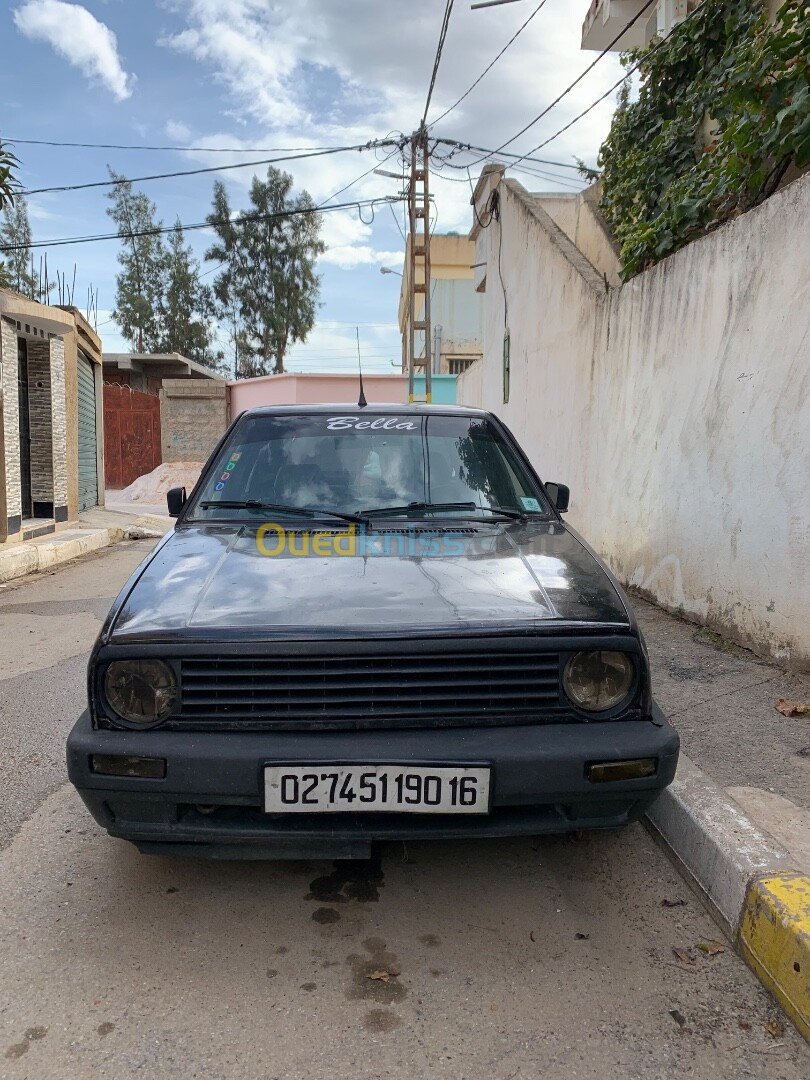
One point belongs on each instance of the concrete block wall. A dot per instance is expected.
(676, 406)
(194, 414)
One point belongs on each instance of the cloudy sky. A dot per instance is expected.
(255, 75)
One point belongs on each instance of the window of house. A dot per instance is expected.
(459, 364)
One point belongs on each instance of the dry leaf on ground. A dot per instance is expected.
(683, 955)
(792, 708)
(384, 975)
(711, 948)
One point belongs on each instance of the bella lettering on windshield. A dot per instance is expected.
(382, 423)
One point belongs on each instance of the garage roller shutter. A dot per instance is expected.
(88, 476)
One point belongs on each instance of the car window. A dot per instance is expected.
(351, 463)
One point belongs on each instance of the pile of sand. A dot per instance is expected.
(151, 488)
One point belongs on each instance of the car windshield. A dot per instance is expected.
(383, 465)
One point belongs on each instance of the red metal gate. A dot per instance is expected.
(131, 435)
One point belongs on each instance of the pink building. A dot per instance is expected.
(312, 389)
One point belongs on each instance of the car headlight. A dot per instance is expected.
(141, 692)
(597, 681)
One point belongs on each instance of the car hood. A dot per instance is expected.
(212, 581)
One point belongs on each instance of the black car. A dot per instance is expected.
(367, 624)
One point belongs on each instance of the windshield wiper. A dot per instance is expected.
(492, 514)
(510, 515)
(279, 508)
(416, 507)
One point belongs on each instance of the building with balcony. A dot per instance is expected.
(456, 309)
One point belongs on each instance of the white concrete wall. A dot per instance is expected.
(677, 407)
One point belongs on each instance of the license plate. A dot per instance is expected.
(400, 789)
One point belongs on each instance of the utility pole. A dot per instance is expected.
(419, 261)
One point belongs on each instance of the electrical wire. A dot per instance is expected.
(178, 149)
(396, 222)
(164, 229)
(491, 153)
(442, 37)
(207, 169)
(571, 86)
(630, 71)
(363, 175)
(564, 181)
(487, 69)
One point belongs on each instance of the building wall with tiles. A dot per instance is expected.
(12, 515)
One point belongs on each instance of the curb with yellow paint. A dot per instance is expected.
(775, 941)
(748, 880)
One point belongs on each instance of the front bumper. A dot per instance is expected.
(540, 785)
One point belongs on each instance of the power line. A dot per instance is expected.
(162, 230)
(368, 172)
(576, 81)
(177, 149)
(630, 71)
(461, 146)
(442, 36)
(208, 169)
(487, 69)
(565, 181)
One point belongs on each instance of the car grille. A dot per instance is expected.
(405, 690)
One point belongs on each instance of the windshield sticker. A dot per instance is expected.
(229, 468)
(382, 423)
(529, 504)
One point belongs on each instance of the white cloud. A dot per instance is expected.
(80, 38)
(347, 256)
(177, 131)
(326, 73)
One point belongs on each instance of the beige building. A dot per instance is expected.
(456, 309)
(51, 426)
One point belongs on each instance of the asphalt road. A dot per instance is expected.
(511, 960)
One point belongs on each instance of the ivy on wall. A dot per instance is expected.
(732, 72)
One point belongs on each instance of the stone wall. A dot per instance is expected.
(59, 421)
(194, 414)
(39, 411)
(12, 517)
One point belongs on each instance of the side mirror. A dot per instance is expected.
(559, 495)
(176, 500)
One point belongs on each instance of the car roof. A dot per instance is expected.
(387, 409)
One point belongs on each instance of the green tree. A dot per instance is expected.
(186, 305)
(15, 232)
(7, 187)
(268, 287)
(161, 304)
(141, 281)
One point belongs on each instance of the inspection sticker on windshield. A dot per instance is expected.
(397, 789)
(529, 504)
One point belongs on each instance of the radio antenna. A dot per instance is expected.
(361, 401)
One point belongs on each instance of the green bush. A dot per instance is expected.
(661, 186)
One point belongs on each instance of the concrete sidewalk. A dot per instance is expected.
(96, 529)
(740, 830)
(722, 699)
